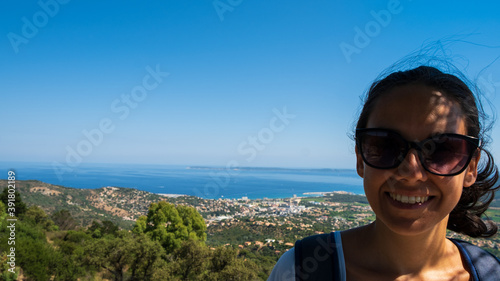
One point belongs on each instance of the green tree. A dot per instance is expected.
(64, 220)
(5, 274)
(98, 230)
(163, 271)
(68, 267)
(70, 256)
(33, 253)
(189, 261)
(194, 222)
(226, 265)
(127, 256)
(3, 208)
(108, 227)
(3, 214)
(113, 254)
(19, 206)
(38, 216)
(140, 225)
(77, 237)
(170, 225)
(146, 255)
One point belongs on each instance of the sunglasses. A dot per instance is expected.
(443, 154)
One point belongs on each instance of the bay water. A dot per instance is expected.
(205, 182)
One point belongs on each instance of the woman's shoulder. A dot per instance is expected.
(312, 257)
(483, 264)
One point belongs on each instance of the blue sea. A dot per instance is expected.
(205, 182)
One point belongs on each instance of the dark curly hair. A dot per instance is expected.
(474, 201)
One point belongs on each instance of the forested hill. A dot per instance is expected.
(120, 205)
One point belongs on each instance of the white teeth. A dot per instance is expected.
(408, 199)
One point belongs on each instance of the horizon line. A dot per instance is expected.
(193, 166)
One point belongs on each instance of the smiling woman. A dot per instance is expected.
(419, 141)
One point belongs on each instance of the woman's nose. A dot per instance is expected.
(411, 168)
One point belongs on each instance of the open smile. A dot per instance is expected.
(409, 199)
(409, 202)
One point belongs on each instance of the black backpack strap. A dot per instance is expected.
(316, 258)
(483, 265)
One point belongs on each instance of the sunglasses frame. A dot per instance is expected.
(476, 142)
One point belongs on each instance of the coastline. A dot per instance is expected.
(294, 196)
(171, 195)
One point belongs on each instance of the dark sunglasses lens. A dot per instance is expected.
(382, 149)
(447, 154)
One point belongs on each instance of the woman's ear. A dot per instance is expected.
(360, 165)
(471, 171)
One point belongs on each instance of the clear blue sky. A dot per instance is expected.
(232, 65)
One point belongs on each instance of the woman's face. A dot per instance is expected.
(417, 112)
